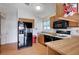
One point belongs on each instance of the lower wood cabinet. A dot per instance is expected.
(46, 38)
(41, 39)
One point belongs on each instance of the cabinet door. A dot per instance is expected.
(41, 39)
(73, 24)
(59, 10)
(52, 19)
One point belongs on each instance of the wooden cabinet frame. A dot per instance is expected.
(27, 20)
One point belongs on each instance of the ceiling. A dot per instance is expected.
(47, 9)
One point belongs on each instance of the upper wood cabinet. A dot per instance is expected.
(73, 20)
(59, 13)
(73, 24)
(59, 9)
(27, 20)
(52, 19)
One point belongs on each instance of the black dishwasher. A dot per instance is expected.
(56, 38)
(50, 38)
(47, 38)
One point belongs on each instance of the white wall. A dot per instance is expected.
(75, 31)
(38, 26)
(9, 23)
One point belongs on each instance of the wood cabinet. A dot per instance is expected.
(73, 24)
(52, 19)
(41, 39)
(59, 13)
(67, 46)
(27, 20)
(73, 20)
(44, 38)
(59, 9)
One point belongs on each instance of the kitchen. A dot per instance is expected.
(55, 28)
(64, 37)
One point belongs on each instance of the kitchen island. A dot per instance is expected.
(67, 46)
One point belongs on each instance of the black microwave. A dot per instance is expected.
(60, 24)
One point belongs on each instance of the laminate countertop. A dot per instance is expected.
(66, 46)
(57, 35)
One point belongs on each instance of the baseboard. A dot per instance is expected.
(14, 43)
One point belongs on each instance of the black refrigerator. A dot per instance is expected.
(24, 34)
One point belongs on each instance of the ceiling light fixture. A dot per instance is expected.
(38, 7)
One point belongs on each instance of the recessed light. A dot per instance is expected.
(38, 7)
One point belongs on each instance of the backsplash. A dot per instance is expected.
(50, 30)
(74, 31)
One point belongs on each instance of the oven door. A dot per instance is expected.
(60, 24)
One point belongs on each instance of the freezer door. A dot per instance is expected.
(21, 40)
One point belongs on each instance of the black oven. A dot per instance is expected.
(60, 24)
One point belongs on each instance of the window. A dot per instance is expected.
(46, 24)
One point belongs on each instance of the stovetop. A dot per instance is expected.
(57, 35)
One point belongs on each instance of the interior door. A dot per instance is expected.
(3, 30)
